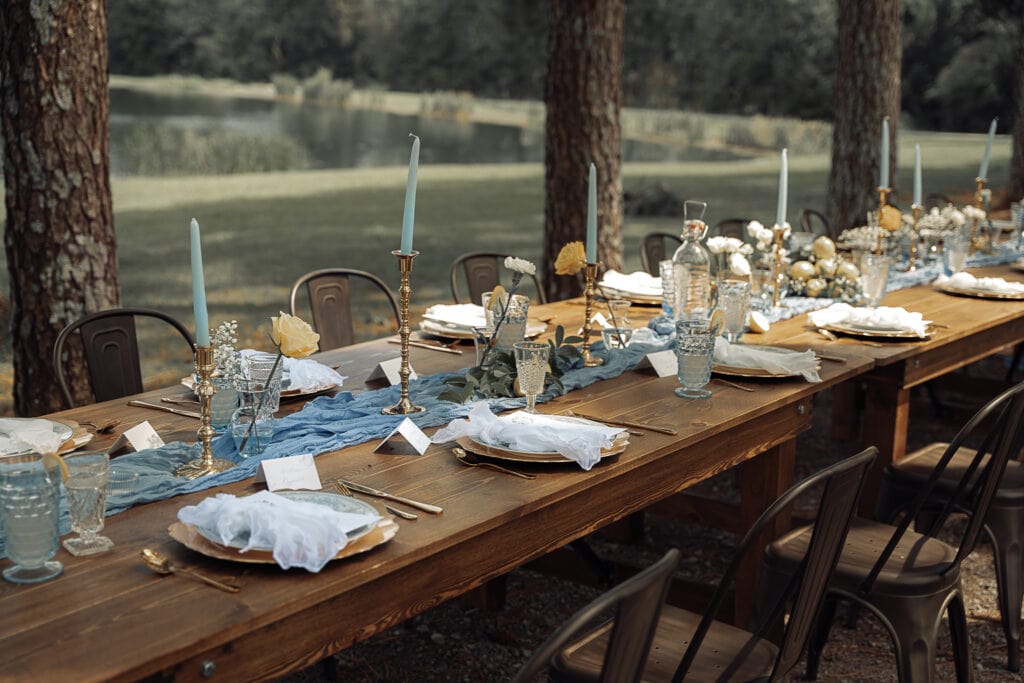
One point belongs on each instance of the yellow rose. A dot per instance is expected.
(293, 336)
(570, 259)
(498, 300)
(891, 218)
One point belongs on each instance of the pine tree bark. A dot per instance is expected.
(583, 94)
(867, 90)
(1017, 160)
(59, 235)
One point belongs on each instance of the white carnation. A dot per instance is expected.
(738, 264)
(520, 265)
(717, 244)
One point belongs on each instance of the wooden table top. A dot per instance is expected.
(109, 618)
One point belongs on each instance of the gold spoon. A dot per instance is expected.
(161, 564)
(463, 457)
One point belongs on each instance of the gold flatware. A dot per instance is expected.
(462, 456)
(626, 423)
(370, 491)
(166, 409)
(104, 428)
(162, 564)
(179, 401)
(432, 347)
(734, 385)
(834, 359)
(828, 334)
(401, 513)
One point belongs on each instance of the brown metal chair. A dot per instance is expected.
(908, 579)
(482, 271)
(655, 247)
(732, 227)
(330, 301)
(111, 351)
(814, 221)
(1004, 523)
(714, 650)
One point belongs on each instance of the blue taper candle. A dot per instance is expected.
(410, 196)
(883, 162)
(592, 216)
(983, 170)
(199, 289)
(917, 175)
(780, 215)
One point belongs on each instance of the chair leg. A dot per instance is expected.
(913, 622)
(1018, 353)
(1005, 530)
(819, 636)
(938, 407)
(960, 640)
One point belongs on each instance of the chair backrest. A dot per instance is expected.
(482, 270)
(814, 221)
(330, 300)
(637, 602)
(1000, 427)
(937, 199)
(110, 348)
(843, 482)
(732, 227)
(653, 250)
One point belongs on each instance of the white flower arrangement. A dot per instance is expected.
(520, 265)
(731, 251)
(863, 238)
(225, 356)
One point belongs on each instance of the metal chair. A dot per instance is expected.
(482, 271)
(814, 221)
(908, 579)
(717, 651)
(655, 247)
(1004, 523)
(330, 300)
(732, 227)
(110, 349)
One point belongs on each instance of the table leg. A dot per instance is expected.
(886, 414)
(845, 416)
(762, 480)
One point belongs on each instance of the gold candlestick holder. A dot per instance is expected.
(404, 405)
(912, 262)
(883, 201)
(590, 270)
(979, 203)
(205, 463)
(777, 274)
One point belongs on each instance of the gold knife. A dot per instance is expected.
(361, 488)
(166, 409)
(627, 423)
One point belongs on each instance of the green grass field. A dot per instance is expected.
(260, 232)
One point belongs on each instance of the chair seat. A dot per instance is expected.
(920, 565)
(727, 653)
(920, 464)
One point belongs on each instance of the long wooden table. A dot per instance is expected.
(109, 618)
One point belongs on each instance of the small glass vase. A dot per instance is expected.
(513, 326)
(222, 403)
(252, 422)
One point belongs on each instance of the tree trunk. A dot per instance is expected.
(867, 90)
(1017, 161)
(583, 94)
(59, 236)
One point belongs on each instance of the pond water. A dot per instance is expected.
(164, 134)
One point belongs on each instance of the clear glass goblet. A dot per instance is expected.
(531, 366)
(86, 487)
(874, 275)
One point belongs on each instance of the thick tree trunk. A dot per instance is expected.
(583, 94)
(59, 237)
(867, 90)
(1017, 161)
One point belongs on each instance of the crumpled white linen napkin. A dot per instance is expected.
(881, 318)
(462, 315)
(641, 283)
(575, 438)
(749, 356)
(302, 374)
(963, 280)
(301, 534)
(35, 435)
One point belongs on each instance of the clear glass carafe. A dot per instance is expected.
(691, 266)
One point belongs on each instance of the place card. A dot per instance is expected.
(600, 320)
(403, 436)
(664, 363)
(291, 472)
(388, 371)
(139, 438)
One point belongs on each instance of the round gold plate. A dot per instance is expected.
(979, 293)
(867, 333)
(499, 453)
(755, 373)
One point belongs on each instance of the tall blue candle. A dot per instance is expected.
(410, 196)
(917, 175)
(883, 163)
(780, 212)
(592, 216)
(199, 289)
(983, 170)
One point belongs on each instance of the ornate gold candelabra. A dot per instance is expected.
(591, 274)
(883, 201)
(979, 203)
(912, 263)
(777, 275)
(205, 463)
(404, 405)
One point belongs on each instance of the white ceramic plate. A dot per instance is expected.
(9, 427)
(452, 331)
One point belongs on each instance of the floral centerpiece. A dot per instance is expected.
(729, 256)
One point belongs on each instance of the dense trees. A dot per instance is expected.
(59, 235)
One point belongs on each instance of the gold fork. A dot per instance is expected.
(346, 491)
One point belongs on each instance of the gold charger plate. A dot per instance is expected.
(534, 328)
(979, 293)
(188, 536)
(872, 333)
(756, 373)
(499, 453)
(641, 299)
(190, 383)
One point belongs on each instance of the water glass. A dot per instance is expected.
(668, 287)
(29, 505)
(252, 422)
(223, 402)
(734, 300)
(695, 346)
(619, 309)
(874, 275)
(531, 366)
(86, 487)
(954, 252)
(1017, 216)
(513, 327)
(761, 288)
(256, 369)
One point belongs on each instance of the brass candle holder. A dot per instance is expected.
(777, 274)
(590, 269)
(883, 201)
(912, 262)
(205, 463)
(979, 203)
(404, 405)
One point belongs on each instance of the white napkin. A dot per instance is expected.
(301, 534)
(33, 435)
(963, 280)
(577, 439)
(301, 374)
(461, 315)
(748, 356)
(640, 283)
(881, 318)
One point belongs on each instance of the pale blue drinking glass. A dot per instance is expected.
(695, 345)
(29, 505)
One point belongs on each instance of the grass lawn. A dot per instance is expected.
(261, 232)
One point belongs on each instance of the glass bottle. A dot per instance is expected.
(691, 266)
